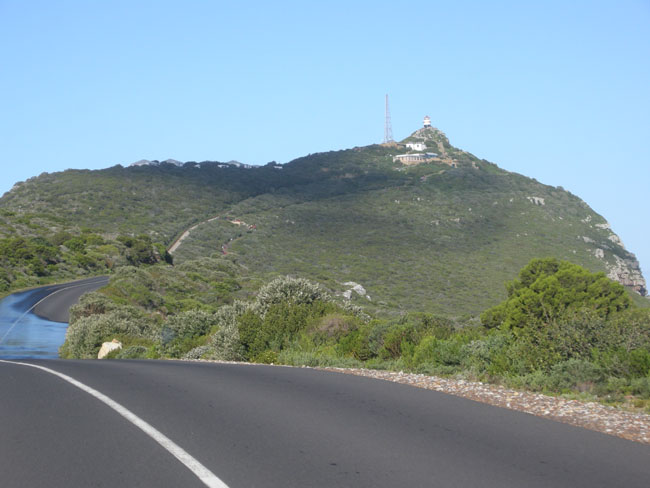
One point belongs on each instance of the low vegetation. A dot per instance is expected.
(64, 255)
(561, 329)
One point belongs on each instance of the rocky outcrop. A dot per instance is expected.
(621, 264)
(537, 200)
(356, 287)
(108, 347)
(628, 273)
(432, 134)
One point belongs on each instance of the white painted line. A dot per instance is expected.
(200, 471)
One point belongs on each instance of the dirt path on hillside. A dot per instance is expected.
(175, 245)
(224, 247)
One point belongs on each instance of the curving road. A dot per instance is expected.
(266, 426)
(33, 323)
(53, 302)
(173, 423)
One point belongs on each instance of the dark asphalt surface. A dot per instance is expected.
(57, 299)
(33, 322)
(265, 426)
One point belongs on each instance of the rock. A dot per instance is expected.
(360, 290)
(108, 347)
(537, 200)
(628, 273)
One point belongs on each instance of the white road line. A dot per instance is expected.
(200, 471)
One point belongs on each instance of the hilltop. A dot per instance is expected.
(440, 232)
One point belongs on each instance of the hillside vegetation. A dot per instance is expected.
(432, 237)
(344, 258)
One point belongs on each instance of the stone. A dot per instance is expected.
(108, 347)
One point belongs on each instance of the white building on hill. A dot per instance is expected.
(409, 159)
(416, 146)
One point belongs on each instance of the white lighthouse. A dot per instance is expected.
(427, 121)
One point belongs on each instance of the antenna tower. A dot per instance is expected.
(388, 129)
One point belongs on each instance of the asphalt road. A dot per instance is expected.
(265, 426)
(33, 323)
(53, 302)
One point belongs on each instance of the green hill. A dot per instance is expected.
(440, 236)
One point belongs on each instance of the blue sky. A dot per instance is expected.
(559, 91)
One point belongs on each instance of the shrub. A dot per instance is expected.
(93, 303)
(317, 359)
(334, 325)
(135, 286)
(198, 352)
(249, 325)
(612, 389)
(85, 335)
(280, 326)
(630, 329)
(431, 325)
(393, 339)
(438, 352)
(574, 374)
(374, 333)
(75, 244)
(179, 331)
(547, 288)
(641, 387)
(225, 343)
(288, 290)
(575, 333)
(639, 362)
(132, 352)
(266, 357)
(355, 344)
(487, 355)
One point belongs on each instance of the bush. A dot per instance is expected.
(393, 339)
(279, 326)
(179, 332)
(75, 244)
(574, 374)
(612, 389)
(333, 326)
(317, 359)
(639, 362)
(132, 352)
(641, 387)
(266, 357)
(432, 351)
(355, 344)
(288, 290)
(630, 329)
(547, 288)
(225, 343)
(135, 286)
(93, 303)
(575, 333)
(487, 355)
(85, 335)
(198, 352)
